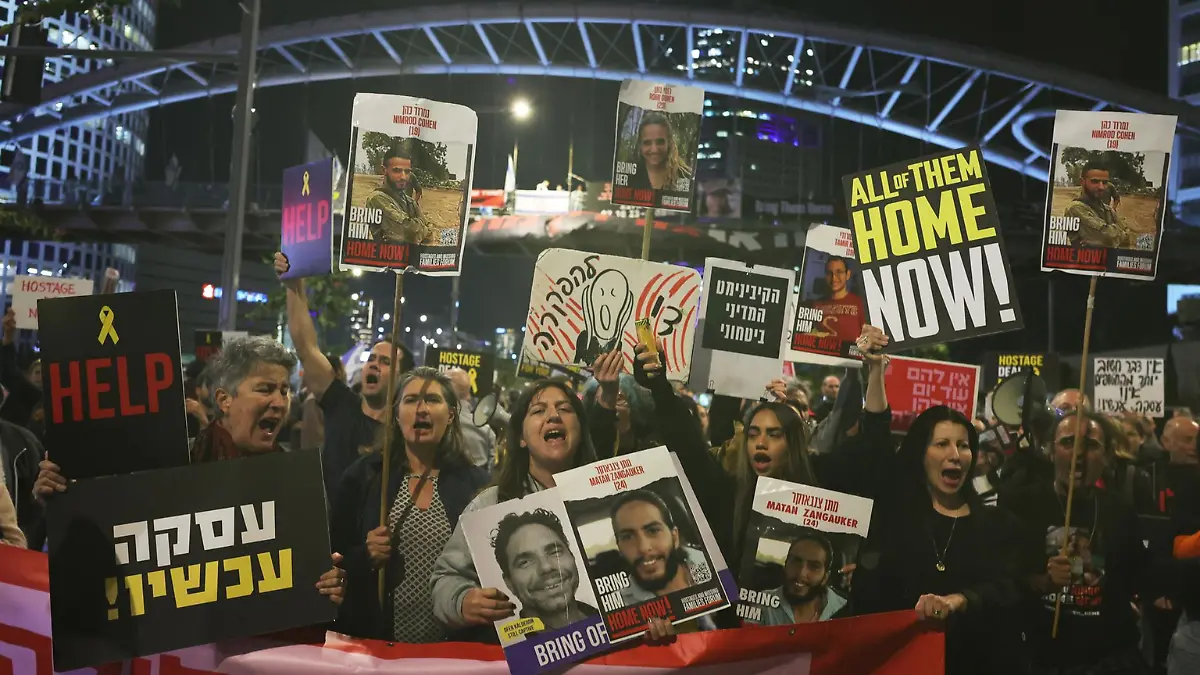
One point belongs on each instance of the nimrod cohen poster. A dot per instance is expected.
(927, 237)
(658, 131)
(411, 164)
(1108, 185)
(799, 549)
(650, 552)
(830, 312)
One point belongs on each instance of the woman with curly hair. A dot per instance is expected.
(659, 163)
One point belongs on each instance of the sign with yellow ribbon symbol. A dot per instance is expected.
(479, 366)
(107, 331)
(304, 189)
(306, 219)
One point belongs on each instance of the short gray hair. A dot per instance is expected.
(239, 357)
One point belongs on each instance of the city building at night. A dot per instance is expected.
(1183, 82)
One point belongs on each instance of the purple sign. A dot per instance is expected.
(307, 238)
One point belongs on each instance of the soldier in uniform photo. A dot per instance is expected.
(1099, 224)
(403, 221)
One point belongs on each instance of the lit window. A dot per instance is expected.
(695, 53)
(809, 52)
(722, 134)
(67, 37)
(1189, 54)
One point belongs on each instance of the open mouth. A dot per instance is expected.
(269, 425)
(423, 425)
(953, 476)
(649, 563)
(762, 461)
(555, 435)
(371, 378)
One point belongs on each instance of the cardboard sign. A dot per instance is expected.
(915, 385)
(207, 343)
(1108, 192)
(204, 553)
(112, 383)
(307, 235)
(658, 132)
(1128, 385)
(830, 312)
(585, 304)
(26, 291)
(741, 327)
(640, 492)
(479, 366)
(411, 165)
(933, 263)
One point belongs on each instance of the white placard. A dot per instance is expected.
(26, 291)
(1129, 385)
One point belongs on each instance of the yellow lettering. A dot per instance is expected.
(245, 584)
(970, 212)
(933, 175)
(110, 590)
(900, 215)
(271, 581)
(969, 165)
(948, 170)
(940, 224)
(858, 194)
(187, 579)
(158, 583)
(870, 236)
(915, 170)
(137, 598)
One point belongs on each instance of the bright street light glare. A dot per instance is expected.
(424, 318)
(521, 109)
(386, 317)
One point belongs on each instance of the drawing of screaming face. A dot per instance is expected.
(607, 306)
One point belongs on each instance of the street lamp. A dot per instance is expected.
(521, 111)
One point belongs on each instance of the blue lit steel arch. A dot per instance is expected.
(948, 95)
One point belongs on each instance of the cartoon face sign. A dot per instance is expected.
(607, 305)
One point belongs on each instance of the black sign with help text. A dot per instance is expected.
(744, 312)
(112, 383)
(479, 366)
(193, 555)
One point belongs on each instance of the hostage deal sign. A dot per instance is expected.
(112, 383)
(26, 292)
(932, 260)
(205, 553)
(479, 366)
(914, 385)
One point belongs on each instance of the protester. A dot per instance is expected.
(250, 380)
(312, 419)
(20, 453)
(635, 416)
(351, 421)
(24, 387)
(480, 441)
(1068, 401)
(432, 480)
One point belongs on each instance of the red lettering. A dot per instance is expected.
(653, 609)
(624, 618)
(59, 392)
(322, 216)
(289, 226)
(157, 383)
(128, 409)
(95, 387)
(361, 249)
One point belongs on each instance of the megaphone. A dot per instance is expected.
(1020, 400)
(485, 409)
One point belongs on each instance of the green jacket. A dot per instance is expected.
(402, 218)
(1099, 224)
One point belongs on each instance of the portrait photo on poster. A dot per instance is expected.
(658, 133)
(410, 171)
(830, 311)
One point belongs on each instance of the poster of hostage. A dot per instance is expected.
(523, 548)
(411, 164)
(649, 550)
(1108, 188)
(830, 312)
(927, 237)
(658, 131)
(799, 551)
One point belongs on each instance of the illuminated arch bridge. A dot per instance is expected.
(947, 95)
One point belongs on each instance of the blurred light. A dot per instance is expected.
(402, 301)
(363, 357)
(456, 304)
(459, 346)
(808, 51)
(500, 331)
(514, 357)
(424, 318)
(408, 329)
(356, 272)
(381, 329)
(354, 296)
(808, 72)
(386, 317)
(522, 329)
(521, 109)
(763, 42)
(433, 344)
(438, 331)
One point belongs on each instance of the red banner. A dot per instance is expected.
(487, 199)
(914, 385)
(879, 644)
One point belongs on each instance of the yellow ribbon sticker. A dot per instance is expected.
(474, 375)
(304, 190)
(106, 326)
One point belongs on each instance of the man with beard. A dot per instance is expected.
(805, 595)
(1099, 224)
(538, 566)
(654, 555)
(351, 421)
(402, 217)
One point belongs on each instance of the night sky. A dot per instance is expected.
(1101, 37)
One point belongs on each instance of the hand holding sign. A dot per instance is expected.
(484, 605)
(871, 343)
(10, 326)
(49, 481)
(608, 373)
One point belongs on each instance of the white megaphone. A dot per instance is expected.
(1020, 401)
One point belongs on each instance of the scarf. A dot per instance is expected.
(215, 444)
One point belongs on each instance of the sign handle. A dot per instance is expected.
(1079, 434)
(649, 227)
(389, 421)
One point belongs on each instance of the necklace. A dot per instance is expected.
(941, 557)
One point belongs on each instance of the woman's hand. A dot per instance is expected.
(49, 481)
(778, 389)
(607, 371)
(940, 607)
(485, 605)
(333, 582)
(282, 265)
(660, 632)
(870, 342)
(649, 362)
(196, 409)
(379, 546)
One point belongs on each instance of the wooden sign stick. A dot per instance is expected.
(389, 422)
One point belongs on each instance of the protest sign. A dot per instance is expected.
(741, 328)
(658, 131)
(307, 236)
(411, 163)
(523, 548)
(207, 343)
(533, 369)
(112, 383)
(1128, 385)
(927, 238)
(26, 291)
(830, 312)
(800, 539)
(205, 552)
(619, 509)
(479, 366)
(914, 385)
(1108, 192)
(585, 304)
(999, 366)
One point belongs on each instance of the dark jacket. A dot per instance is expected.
(23, 397)
(355, 512)
(21, 451)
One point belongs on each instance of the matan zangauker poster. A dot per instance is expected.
(796, 564)
(648, 550)
(658, 132)
(830, 311)
(408, 195)
(1107, 193)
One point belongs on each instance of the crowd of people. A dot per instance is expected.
(967, 528)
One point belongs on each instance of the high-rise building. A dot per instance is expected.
(1183, 82)
(93, 158)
